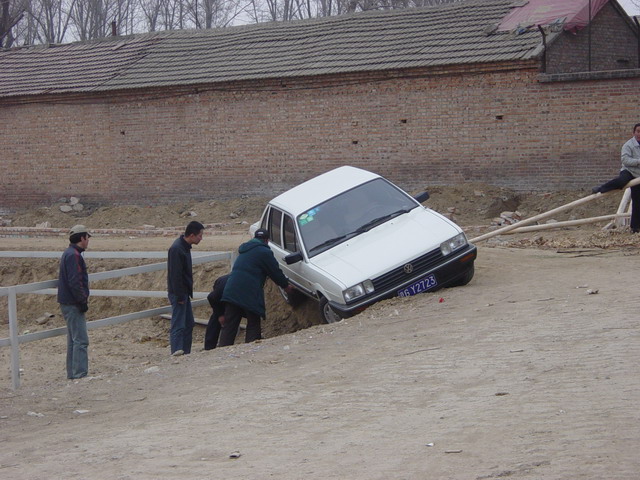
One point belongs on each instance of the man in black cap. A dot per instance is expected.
(73, 295)
(244, 295)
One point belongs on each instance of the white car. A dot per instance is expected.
(349, 238)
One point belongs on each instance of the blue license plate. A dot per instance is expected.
(420, 286)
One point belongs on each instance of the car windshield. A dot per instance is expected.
(351, 213)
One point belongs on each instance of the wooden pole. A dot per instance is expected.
(542, 216)
(624, 203)
(568, 223)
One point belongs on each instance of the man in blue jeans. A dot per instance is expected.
(180, 288)
(73, 295)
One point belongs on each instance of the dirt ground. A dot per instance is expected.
(530, 371)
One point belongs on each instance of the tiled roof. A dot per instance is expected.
(449, 34)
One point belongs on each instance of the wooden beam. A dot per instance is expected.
(568, 223)
(536, 218)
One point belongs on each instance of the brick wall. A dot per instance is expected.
(492, 123)
(613, 46)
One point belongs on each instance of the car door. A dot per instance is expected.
(284, 241)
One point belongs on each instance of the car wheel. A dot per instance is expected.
(328, 314)
(466, 278)
(294, 299)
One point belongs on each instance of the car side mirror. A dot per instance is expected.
(422, 197)
(293, 258)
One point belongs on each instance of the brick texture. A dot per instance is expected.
(612, 46)
(504, 124)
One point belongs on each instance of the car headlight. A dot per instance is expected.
(358, 290)
(453, 244)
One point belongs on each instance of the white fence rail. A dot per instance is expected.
(49, 287)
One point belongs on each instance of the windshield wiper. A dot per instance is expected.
(377, 221)
(328, 243)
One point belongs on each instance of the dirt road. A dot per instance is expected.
(521, 374)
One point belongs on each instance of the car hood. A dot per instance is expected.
(387, 246)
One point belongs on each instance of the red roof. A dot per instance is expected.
(571, 14)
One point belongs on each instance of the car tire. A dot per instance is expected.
(466, 278)
(294, 299)
(328, 314)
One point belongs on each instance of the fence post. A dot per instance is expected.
(13, 337)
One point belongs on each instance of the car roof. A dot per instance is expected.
(323, 187)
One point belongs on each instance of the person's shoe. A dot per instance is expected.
(595, 190)
(177, 353)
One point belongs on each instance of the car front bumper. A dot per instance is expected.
(448, 271)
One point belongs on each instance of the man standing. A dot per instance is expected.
(180, 288)
(73, 295)
(630, 157)
(244, 294)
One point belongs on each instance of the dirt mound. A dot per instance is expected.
(233, 213)
(471, 205)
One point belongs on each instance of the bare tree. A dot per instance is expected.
(56, 21)
(11, 13)
(213, 13)
(52, 18)
(126, 15)
(93, 18)
(151, 11)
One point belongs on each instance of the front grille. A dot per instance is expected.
(398, 276)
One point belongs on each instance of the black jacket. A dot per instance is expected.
(73, 280)
(254, 264)
(179, 269)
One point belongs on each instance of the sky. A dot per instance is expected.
(629, 7)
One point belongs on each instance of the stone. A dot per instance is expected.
(74, 200)
(65, 208)
(78, 207)
(44, 318)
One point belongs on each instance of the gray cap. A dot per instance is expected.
(79, 229)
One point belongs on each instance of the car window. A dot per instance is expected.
(351, 213)
(264, 223)
(290, 239)
(275, 222)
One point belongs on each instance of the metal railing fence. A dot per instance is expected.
(49, 287)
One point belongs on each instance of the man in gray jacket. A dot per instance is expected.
(630, 157)
(73, 295)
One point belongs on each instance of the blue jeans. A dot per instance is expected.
(182, 322)
(77, 341)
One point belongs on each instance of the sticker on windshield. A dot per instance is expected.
(307, 217)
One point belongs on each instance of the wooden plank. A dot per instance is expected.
(536, 218)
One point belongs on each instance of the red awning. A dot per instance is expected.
(571, 14)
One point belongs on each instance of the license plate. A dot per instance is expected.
(420, 286)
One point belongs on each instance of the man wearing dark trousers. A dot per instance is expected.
(244, 293)
(73, 295)
(630, 156)
(215, 300)
(180, 288)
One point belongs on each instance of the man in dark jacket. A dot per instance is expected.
(180, 288)
(73, 295)
(212, 333)
(244, 294)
